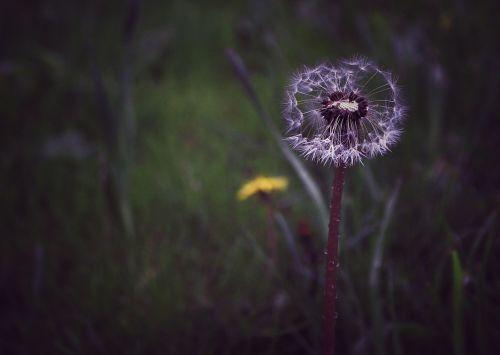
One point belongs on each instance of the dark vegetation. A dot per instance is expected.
(125, 134)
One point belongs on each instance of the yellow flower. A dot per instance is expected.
(262, 184)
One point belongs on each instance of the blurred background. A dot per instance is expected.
(128, 127)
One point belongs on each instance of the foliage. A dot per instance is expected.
(123, 147)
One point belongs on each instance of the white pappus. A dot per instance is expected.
(339, 114)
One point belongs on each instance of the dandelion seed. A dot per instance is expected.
(340, 114)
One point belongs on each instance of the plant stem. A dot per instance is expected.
(330, 315)
(271, 233)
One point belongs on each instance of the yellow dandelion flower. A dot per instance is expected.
(262, 184)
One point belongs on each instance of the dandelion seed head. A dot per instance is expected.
(340, 114)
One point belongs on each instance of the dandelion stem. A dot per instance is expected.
(271, 233)
(330, 314)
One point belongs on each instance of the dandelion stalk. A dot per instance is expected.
(271, 233)
(332, 262)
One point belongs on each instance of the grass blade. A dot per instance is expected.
(457, 301)
(299, 168)
(376, 266)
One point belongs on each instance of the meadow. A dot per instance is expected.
(127, 129)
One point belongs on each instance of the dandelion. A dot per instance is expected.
(262, 185)
(339, 115)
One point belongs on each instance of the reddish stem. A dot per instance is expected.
(330, 315)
